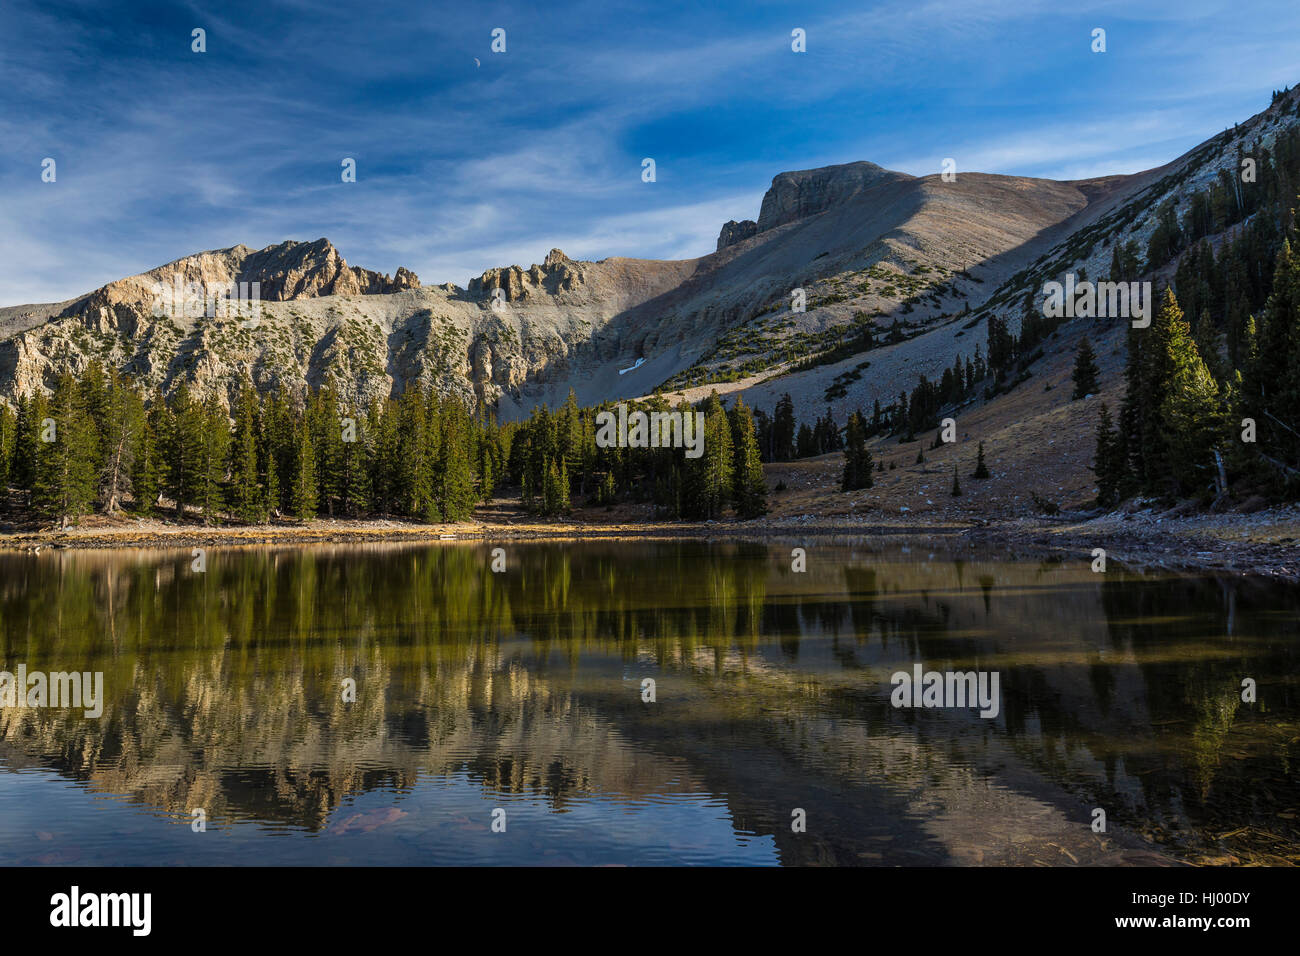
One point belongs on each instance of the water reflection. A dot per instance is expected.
(522, 690)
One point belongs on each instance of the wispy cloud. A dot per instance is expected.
(163, 152)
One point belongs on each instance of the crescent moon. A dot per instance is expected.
(476, 62)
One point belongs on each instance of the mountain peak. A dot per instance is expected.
(806, 192)
(801, 193)
(287, 270)
(734, 232)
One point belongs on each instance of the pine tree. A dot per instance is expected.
(32, 413)
(326, 427)
(1272, 382)
(92, 390)
(416, 451)
(65, 474)
(857, 460)
(555, 489)
(1001, 347)
(122, 419)
(832, 440)
(384, 473)
(568, 434)
(272, 495)
(535, 453)
(1189, 411)
(1206, 337)
(275, 438)
(245, 495)
(750, 485)
(455, 475)
(562, 499)
(1085, 370)
(1166, 239)
(1143, 434)
(8, 432)
(805, 444)
(302, 494)
(606, 490)
(709, 477)
(147, 469)
(1116, 265)
(1107, 465)
(487, 460)
(352, 481)
(783, 429)
(273, 441)
(213, 450)
(956, 483)
(184, 450)
(981, 470)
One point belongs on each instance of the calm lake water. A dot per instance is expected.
(521, 692)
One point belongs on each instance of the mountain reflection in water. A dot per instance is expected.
(522, 691)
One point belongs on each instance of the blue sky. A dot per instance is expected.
(162, 152)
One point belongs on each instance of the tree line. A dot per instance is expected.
(1212, 387)
(1196, 423)
(99, 442)
(782, 438)
(555, 455)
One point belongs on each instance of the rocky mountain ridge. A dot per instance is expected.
(919, 260)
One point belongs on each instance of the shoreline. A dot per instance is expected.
(1265, 547)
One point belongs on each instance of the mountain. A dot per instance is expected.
(919, 260)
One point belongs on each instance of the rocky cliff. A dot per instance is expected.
(808, 192)
(734, 232)
(290, 270)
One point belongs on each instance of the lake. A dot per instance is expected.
(405, 704)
